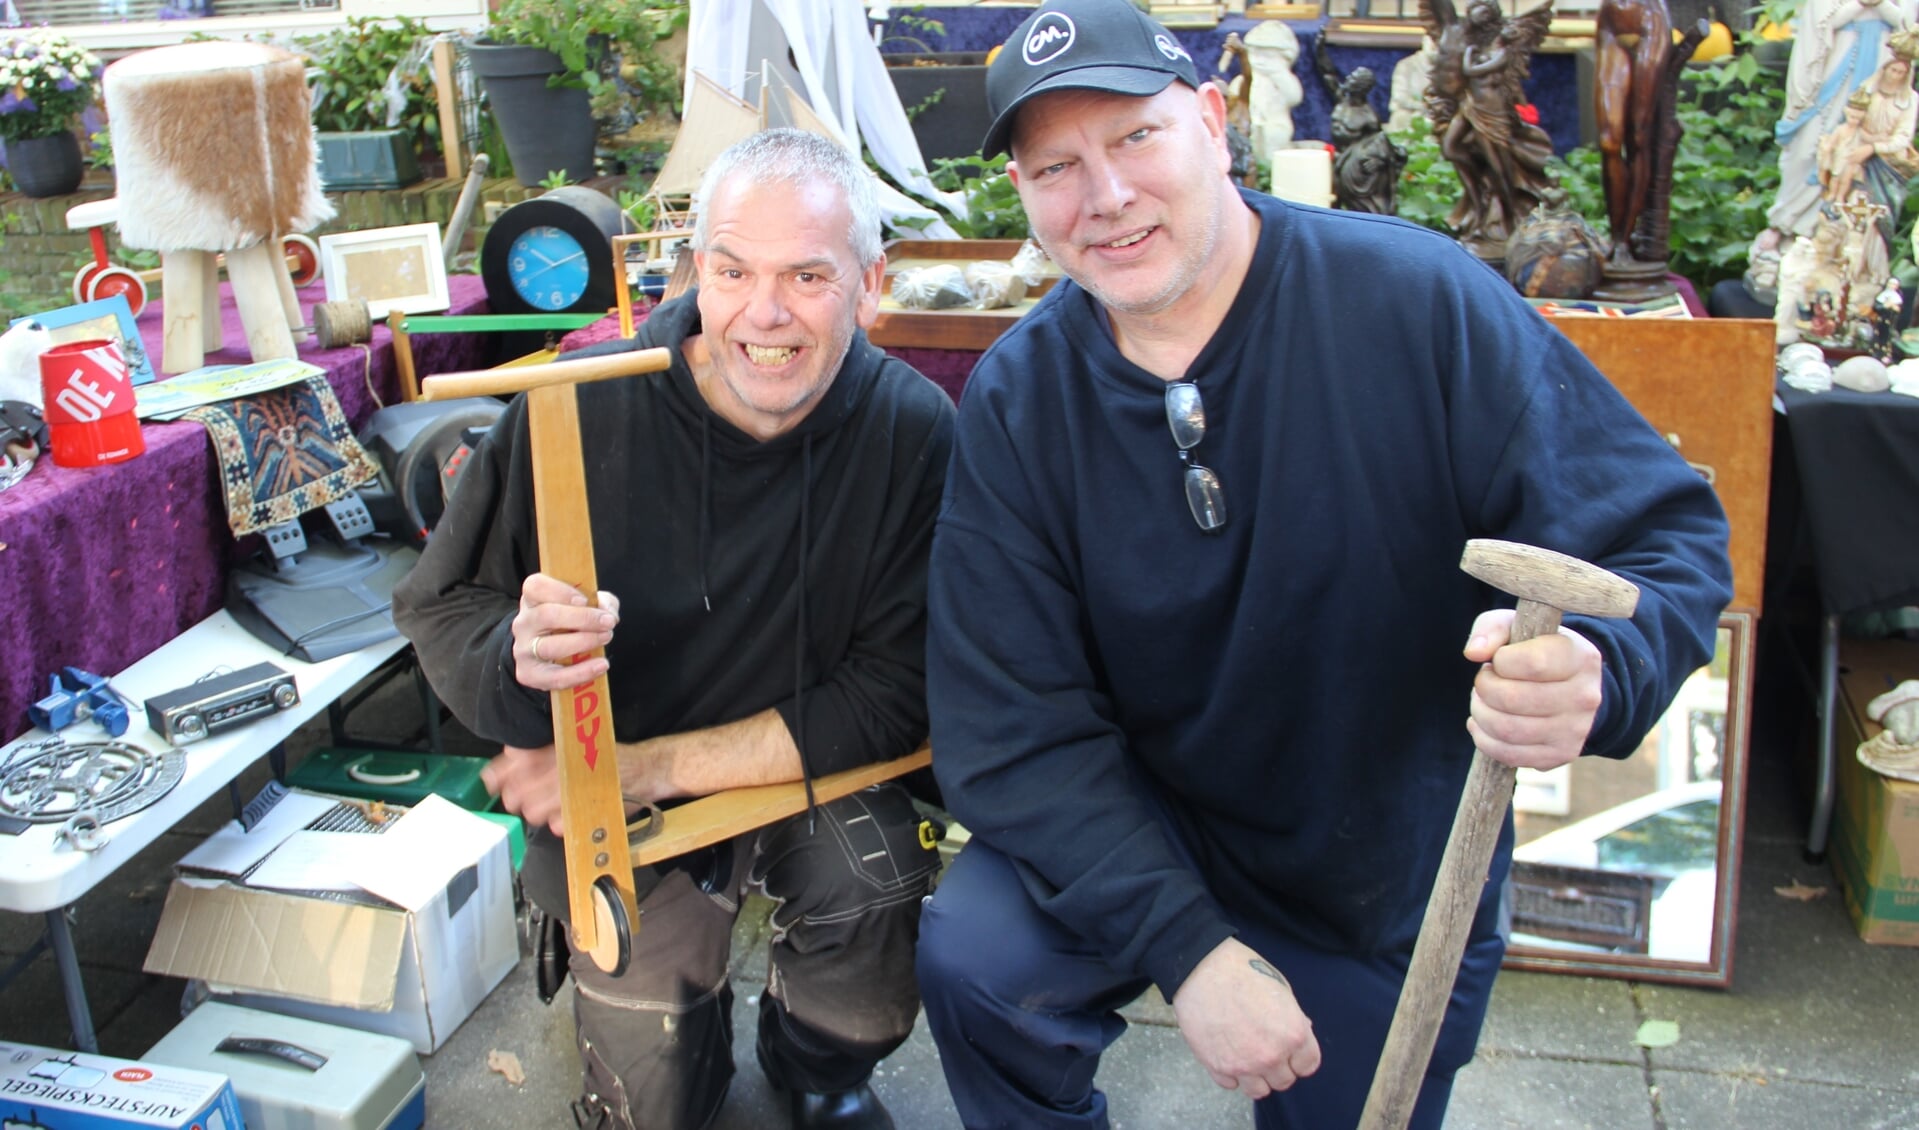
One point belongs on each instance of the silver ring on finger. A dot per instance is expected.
(533, 649)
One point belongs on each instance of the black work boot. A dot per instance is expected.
(857, 1109)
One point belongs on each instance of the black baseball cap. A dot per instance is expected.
(1105, 45)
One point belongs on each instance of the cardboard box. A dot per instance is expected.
(413, 962)
(1875, 842)
(57, 1090)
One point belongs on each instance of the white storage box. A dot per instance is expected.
(56, 1090)
(294, 1074)
(413, 962)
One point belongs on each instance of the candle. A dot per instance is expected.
(1304, 175)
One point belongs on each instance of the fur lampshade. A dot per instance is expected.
(213, 146)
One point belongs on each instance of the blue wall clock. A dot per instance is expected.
(553, 253)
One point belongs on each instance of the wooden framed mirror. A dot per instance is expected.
(1631, 868)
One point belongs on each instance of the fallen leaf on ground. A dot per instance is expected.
(1657, 1034)
(507, 1064)
(1800, 891)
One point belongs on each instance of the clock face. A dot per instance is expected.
(548, 268)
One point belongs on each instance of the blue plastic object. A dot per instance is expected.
(76, 696)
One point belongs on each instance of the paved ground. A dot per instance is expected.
(1818, 1030)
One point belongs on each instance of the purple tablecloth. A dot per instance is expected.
(100, 566)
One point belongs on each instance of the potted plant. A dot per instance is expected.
(45, 82)
(374, 104)
(553, 69)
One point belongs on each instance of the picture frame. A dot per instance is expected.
(110, 318)
(399, 268)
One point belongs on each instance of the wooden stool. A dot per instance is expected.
(214, 152)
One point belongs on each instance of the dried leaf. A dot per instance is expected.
(1657, 1034)
(508, 1065)
(1800, 891)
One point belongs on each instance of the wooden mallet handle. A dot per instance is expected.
(1546, 584)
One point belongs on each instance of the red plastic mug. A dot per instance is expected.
(87, 391)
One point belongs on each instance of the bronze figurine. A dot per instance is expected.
(1473, 102)
(1366, 162)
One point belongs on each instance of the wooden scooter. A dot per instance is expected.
(600, 849)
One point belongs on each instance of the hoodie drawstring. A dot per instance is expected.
(799, 642)
(706, 492)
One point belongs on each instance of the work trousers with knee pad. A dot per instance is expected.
(656, 1043)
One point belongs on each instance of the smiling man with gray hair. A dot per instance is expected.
(761, 517)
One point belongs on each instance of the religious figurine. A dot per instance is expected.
(1886, 308)
(1410, 76)
(1366, 162)
(1837, 48)
(1637, 74)
(1825, 283)
(1476, 88)
(1271, 49)
(1239, 116)
(1876, 156)
(1837, 169)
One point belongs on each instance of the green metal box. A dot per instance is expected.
(395, 776)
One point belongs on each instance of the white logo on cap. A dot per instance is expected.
(1052, 34)
(1169, 47)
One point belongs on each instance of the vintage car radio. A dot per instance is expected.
(209, 706)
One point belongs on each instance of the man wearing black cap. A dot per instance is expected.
(1195, 618)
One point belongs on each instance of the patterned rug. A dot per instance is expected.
(283, 453)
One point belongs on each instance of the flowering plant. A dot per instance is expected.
(45, 80)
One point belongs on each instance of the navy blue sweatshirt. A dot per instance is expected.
(728, 554)
(1290, 691)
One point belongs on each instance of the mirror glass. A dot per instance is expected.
(1628, 867)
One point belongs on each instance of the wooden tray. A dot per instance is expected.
(969, 329)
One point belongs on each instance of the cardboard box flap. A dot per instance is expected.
(438, 840)
(305, 948)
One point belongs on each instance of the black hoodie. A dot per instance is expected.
(728, 555)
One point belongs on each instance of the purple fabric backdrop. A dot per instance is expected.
(100, 566)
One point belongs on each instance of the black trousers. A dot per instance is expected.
(656, 1043)
(1022, 1008)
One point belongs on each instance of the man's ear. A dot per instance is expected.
(1212, 114)
(1012, 172)
(872, 285)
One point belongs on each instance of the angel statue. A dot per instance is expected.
(1473, 102)
(1366, 162)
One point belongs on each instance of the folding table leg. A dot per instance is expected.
(1826, 787)
(60, 937)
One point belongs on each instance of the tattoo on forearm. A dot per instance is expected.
(1260, 967)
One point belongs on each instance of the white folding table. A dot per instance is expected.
(41, 872)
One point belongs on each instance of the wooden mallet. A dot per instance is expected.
(1547, 584)
(599, 855)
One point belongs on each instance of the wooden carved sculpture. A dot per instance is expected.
(1366, 162)
(1473, 101)
(1637, 76)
